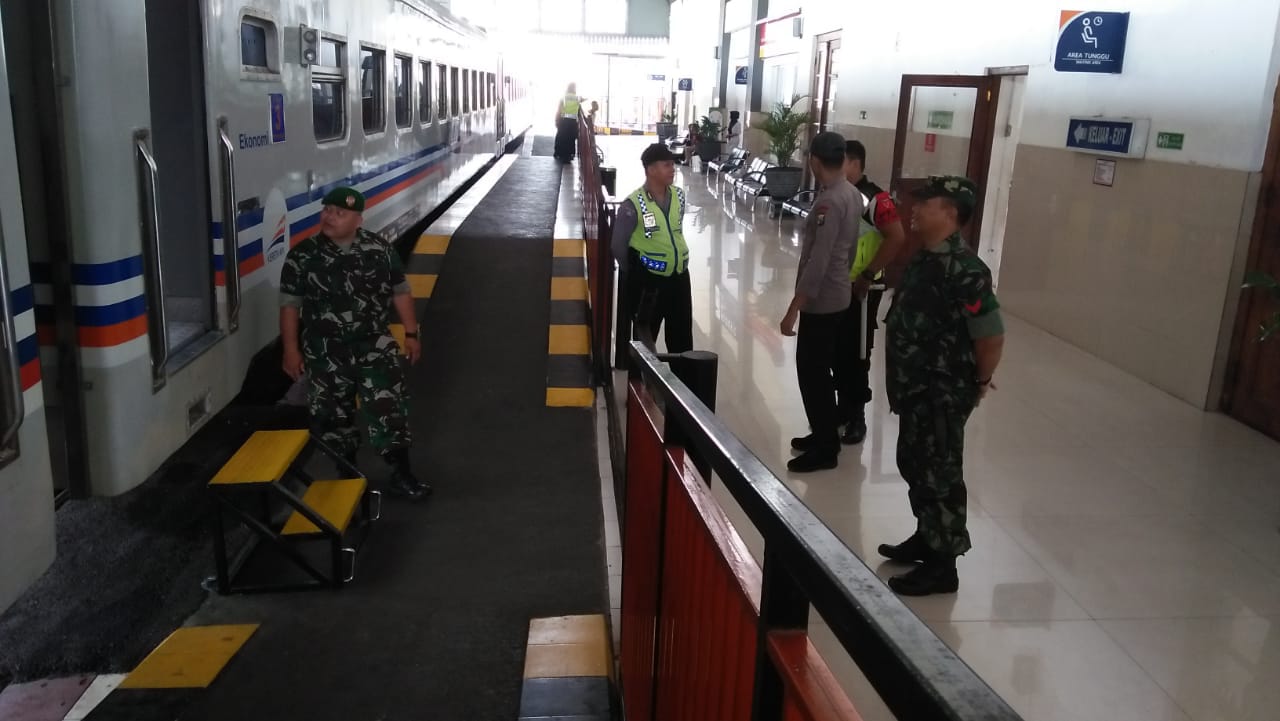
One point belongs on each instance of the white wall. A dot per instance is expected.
(1192, 68)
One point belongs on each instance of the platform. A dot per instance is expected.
(436, 622)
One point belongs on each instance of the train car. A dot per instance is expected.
(169, 153)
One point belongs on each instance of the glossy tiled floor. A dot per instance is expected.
(1126, 561)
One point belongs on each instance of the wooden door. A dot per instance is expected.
(946, 124)
(1252, 390)
(822, 90)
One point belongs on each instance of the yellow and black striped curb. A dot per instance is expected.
(569, 338)
(422, 271)
(568, 670)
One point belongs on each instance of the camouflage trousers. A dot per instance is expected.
(339, 372)
(931, 459)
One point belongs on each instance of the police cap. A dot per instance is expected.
(656, 153)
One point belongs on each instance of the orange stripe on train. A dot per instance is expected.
(112, 335)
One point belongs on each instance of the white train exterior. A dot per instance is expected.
(140, 131)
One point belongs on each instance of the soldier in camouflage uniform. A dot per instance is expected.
(341, 284)
(945, 337)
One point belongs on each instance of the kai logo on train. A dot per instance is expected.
(275, 219)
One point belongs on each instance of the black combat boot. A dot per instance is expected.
(403, 482)
(855, 431)
(912, 550)
(935, 575)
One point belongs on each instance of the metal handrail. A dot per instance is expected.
(230, 229)
(149, 220)
(17, 404)
(914, 672)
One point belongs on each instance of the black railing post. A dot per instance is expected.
(697, 369)
(783, 606)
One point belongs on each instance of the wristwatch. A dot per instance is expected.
(987, 382)
(412, 333)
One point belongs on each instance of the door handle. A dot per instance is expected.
(149, 220)
(230, 231)
(14, 402)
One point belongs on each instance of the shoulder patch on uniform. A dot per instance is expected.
(821, 213)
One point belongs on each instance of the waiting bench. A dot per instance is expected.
(729, 164)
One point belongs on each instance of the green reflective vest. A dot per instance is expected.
(658, 237)
(868, 243)
(571, 105)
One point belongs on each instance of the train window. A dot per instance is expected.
(475, 90)
(442, 92)
(373, 89)
(258, 51)
(466, 91)
(492, 85)
(404, 91)
(454, 97)
(425, 81)
(329, 91)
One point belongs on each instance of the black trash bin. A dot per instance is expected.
(609, 179)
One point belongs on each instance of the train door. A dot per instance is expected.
(174, 167)
(26, 483)
(41, 166)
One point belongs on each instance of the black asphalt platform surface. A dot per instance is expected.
(544, 146)
(128, 569)
(435, 624)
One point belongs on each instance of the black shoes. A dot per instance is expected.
(934, 576)
(912, 550)
(403, 482)
(804, 443)
(855, 432)
(814, 460)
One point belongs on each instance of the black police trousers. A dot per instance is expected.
(853, 374)
(816, 341)
(567, 138)
(652, 300)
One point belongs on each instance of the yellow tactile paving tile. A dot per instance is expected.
(568, 289)
(570, 660)
(432, 245)
(262, 459)
(190, 657)
(569, 340)
(589, 628)
(421, 284)
(570, 397)
(569, 249)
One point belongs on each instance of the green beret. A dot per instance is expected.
(348, 198)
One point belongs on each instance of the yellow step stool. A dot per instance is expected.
(335, 501)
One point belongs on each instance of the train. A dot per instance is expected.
(159, 158)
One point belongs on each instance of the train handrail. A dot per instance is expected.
(149, 220)
(17, 404)
(916, 675)
(230, 228)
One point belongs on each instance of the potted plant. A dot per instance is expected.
(1258, 279)
(708, 147)
(783, 126)
(667, 128)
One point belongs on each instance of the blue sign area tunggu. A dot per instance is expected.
(277, 117)
(1091, 42)
(740, 77)
(686, 83)
(1103, 136)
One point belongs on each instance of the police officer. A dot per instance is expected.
(880, 239)
(648, 241)
(567, 124)
(341, 284)
(944, 340)
(822, 296)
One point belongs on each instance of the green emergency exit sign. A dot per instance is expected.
(1169, 141)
